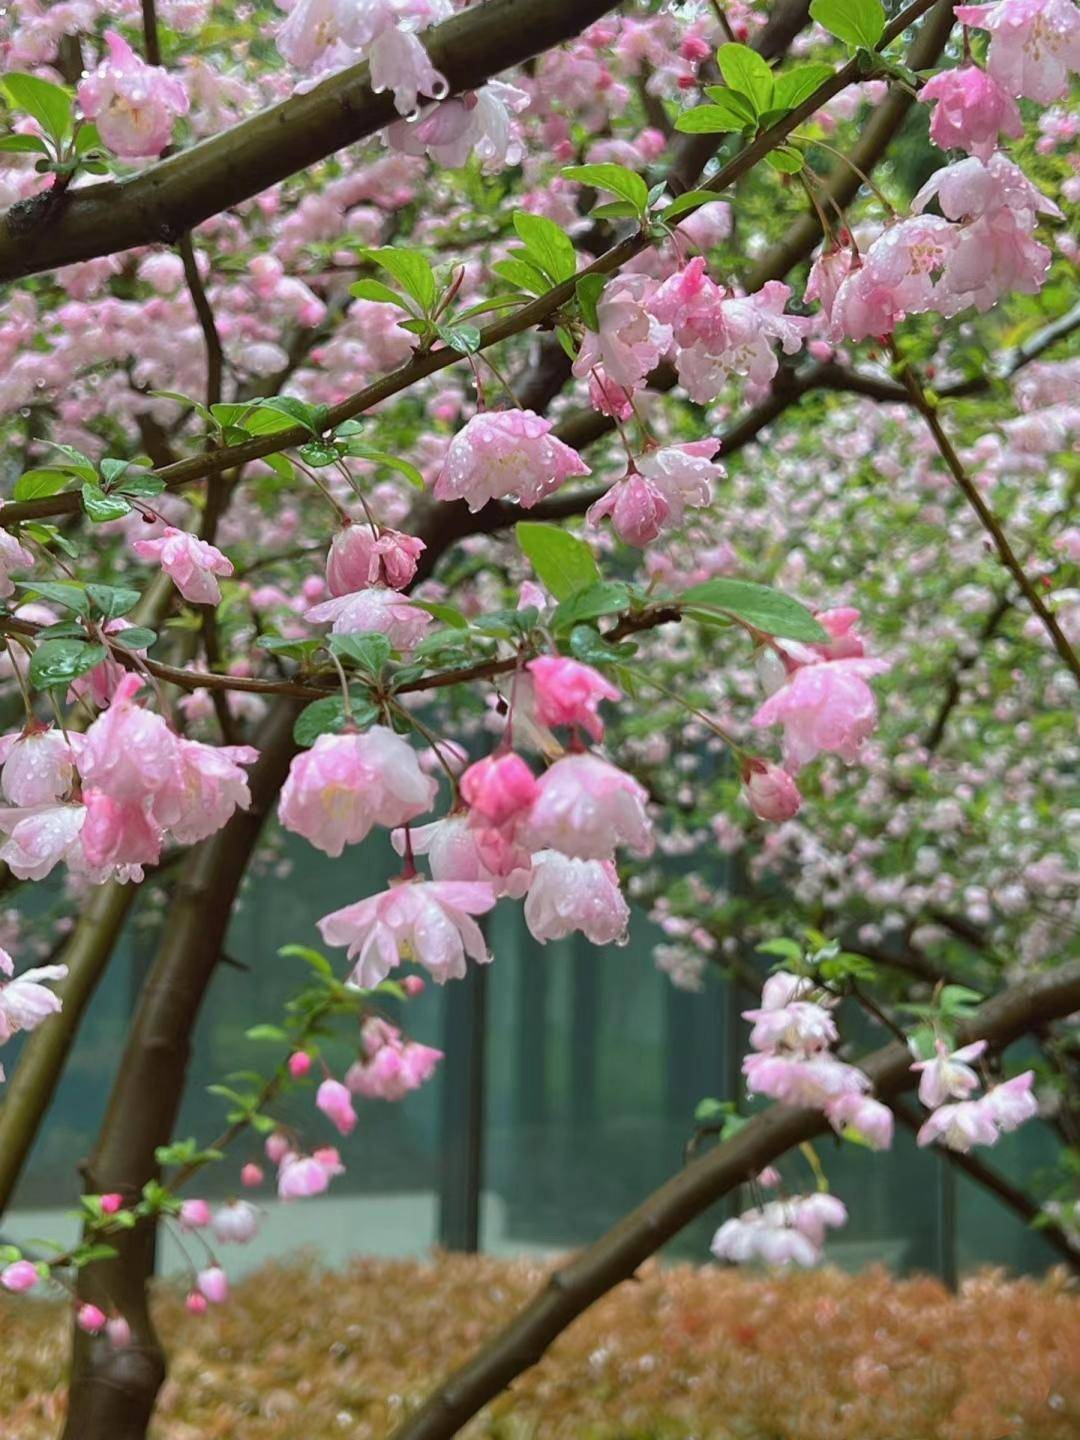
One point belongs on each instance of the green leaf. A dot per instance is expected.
(564, 563)
(730, 111)
(370, 650)
(49, 104)
(548, 245)
(392, 462)
(112, 600)
(24, 144)
(318, 962)
(312, 417)
(786, 949)
(606, 597)
(266, 1032)
(758, 605)
(627, 184)
(100, 507)
(377, 291)
(786, 159)
(135, 637)
(327, 717)
(411, 270)
(614, 210)
(688, 200)
(112, 469)
(39, 484)
(58, 662)
(465, 339)
(859, 23)
(746, 72)
(446, 613)
(60, 592)
(589, 289)
(795, 86)
(142, 483)
(319, 453)
(75, 460)
(517, 270)
(586, 644)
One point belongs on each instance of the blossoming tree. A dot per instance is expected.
(530, 433)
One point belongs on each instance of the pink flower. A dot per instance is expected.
(38, 767)
(566, 692)
(498, 788)
(333, 1099)
(191, 564)
(376, 609)
(132, 104)
(208, 788)
(607, 397)
(301, 1176)
(194, 1214)
(432, 919)
(798, 1025)
(361, 556)
(458, 849)
(959, 1126)
(13, 556)
(780, 1233)
(897, 277)
(111, 1203)
(655, 494)
(479, 123)
(871, 1121)
(400, 63)
(25, 1002)
(235, 1222)
(118, 833)
(214, 1284)
(828, 706)
(392, 1067)
(630, 340)
(795, 1080)
(566, 895)
(506, 453)
(90, 1319)
(251, 1175)
(948, 1076)
(972, 107)
(19, 1276)
(299, 1064)
(119, 1332)
(336, 791)
(195, 1304)
(772, 793)
(638, 509)
(99, 684)
(1034, 44)
(128, 752)
(39, 837)
(1013, 1101)
(586, 807)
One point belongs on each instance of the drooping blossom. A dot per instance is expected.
(235, 1223)
(630, 340)
(345, 784)
(375, 610)
(19, 1276)
(638, 509)
(38, 766)
(1034, 44)
(191, 564)
(498, 789)
(567, 895)
(568, 692)
(656, 492)
(971, 109)
(429, 921)
(208, 788)
(586, 807)
(479, 123)
(391, 1067)
(871, 1121)
(90, 1319)
(118, 833)
(501, 453)
(948, 1076)
(25, 1002)
(40, 837)
(361, 556)
(802, 1080)
(333, 1099)
(132, 104)
(300, 1176)
(13, 556)
(299, 1064)
(1013, 1101)
(457, 849)
(798, 1025)
(129, 752)
(194, 1213)
(783, 1232)
(828, 706)
(772, 793)
(214, 1284)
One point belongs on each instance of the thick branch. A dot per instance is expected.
(618, 1254)
(177, 193)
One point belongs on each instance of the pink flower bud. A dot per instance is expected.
(335, 1102)
(194, 1213)
(111, 1203)
(499, 787)
(277, 1147)
(251, 1175)
(214, 1284)
(772, 793)
(195, 1303)
(299, 1064)
(20, 1275)
(361, 556)
(413, 985)
(91, 1319)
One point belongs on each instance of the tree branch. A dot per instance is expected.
(618, 1254)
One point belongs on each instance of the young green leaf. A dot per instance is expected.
(327, 717)
(101, 507)
(564, 563)
(627, 184)
(39, 484)
(859, 23)
(49, 104)
(58, 662)
(112, 600)
(412, 272)
(548, 245)
(758, 605)
(377, 291)
(687, 201)
(794, 86)
(746, 72)
(730, 111)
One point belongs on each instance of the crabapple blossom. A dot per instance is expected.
(333, 1099)
(971, 109)
(568, 692)
(194, 1214)
(13, 556)
(299, 1064)
(251, 1175)
(772, 793)
(797, 1080)
(38, 766)
(798, 1025)
(1013, 1101)
(638, 510)
(374, 610)
(457, 849)
(960, 1125)
(208, 788)
(501, 453)
(40, 837)
(235, 1223)
(90, 1319)
(480, 122)
(1034, 44)
(196, 1303)
(361, 555)
(780, 1233)
(566, 895)
(134, 105)
(871, 1121)
(191, 564)
(429, 920)
(301, 1176)
(948, 1076)
(498, 789)
(828, 706)
(392, 1067)
(586, 807)
(25, 1002)
(629, 341)
(19, 1276)
(655, 494)
(129, 752)
(214, 1284)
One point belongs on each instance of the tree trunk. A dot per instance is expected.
(113, 1390)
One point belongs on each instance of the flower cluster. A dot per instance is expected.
(781, 1232)
(946, 1083)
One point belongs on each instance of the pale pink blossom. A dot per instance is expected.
(208, 788)
(1013, 1101)
(333, 1099)
(300, 1176)
(796, 1080)
(872, 1121)
(798, 1025)
(38, 766)
(129, 752)
(345, 784)
(568, 895)
(235, 1222)
(214, 1284)
(19, 1276)
(392, 1067)
(400, 63)
(118, 832)
(959, 1126)
(13, 556)
(457, 849)
(133, 104)
(40, 837)
(971, 109)
(25, 1002)
(948, 1076)
(828, 706)
(374, 610)
(585, 807)
(480, 123)
(430, 921)
(782, 1232)
(638, 510)
(361, 556)
(772, 793)
(630, 340)
(502, 453)
(568, 692)
(498, 788)
(1034, 44)
(191, 564)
